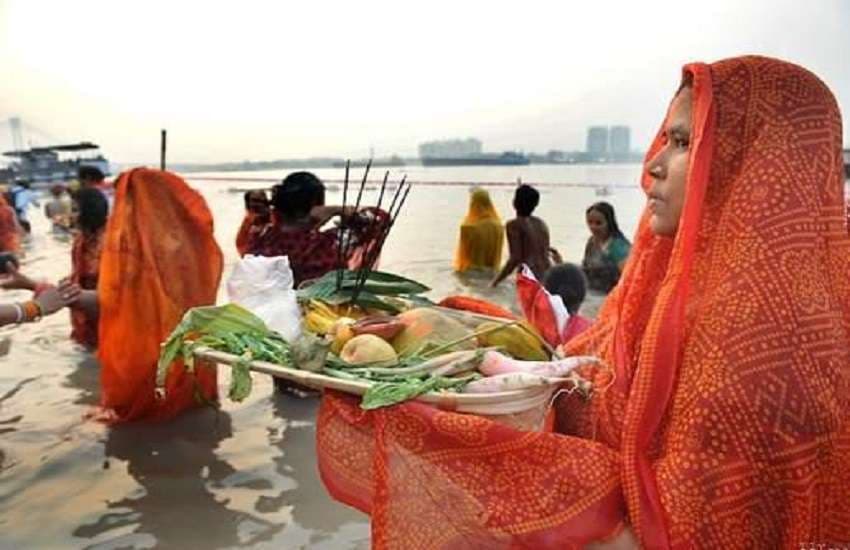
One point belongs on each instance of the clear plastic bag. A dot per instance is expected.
(264, 286)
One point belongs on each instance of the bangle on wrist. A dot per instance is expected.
(19, 313)
(32, 311)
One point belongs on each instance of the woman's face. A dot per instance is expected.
(598, 225)
(669, 168)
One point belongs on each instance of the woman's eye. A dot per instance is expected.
(680, 143)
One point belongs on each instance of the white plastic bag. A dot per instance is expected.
(263, 286)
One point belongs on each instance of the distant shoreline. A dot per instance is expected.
(336, 163)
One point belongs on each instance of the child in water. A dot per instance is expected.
(568, 282)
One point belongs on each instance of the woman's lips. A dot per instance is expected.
(654, 203)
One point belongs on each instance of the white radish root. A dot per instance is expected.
(495, 363)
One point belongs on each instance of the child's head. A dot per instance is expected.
(568, 282)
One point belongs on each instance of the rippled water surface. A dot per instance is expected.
(244, 476)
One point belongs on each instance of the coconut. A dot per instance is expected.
(368, 349)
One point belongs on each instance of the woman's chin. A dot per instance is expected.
(661, 226)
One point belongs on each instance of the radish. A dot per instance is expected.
(495, 363)
(509, 382)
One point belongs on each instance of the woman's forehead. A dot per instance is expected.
(680, 110)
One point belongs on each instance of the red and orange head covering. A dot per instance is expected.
(159, 259)
(731, 342)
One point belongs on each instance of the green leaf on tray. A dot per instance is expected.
(216, 320)
(384, 394)
(377, 283)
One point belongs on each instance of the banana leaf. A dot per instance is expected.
(223, 325)
(377, 283)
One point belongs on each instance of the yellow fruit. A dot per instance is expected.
(342, 333)
(319, 318)
(513, 339)
(368, 349)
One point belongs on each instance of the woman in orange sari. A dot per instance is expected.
(92, 209)
(159, 259)
(482, 235)
(728, 422)
(10, 231)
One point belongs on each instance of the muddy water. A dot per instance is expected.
(244, 476)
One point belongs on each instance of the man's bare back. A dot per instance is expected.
(528, 243)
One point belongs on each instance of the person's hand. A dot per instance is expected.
(556, 256)
(14, 279)
(55, 298)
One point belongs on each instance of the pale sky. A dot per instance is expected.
(286, 79)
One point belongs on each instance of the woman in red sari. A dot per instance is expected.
(728, 422)
(296, 229)
(92, 209)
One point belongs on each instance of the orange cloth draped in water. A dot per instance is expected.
(159, 259)
(482, 235)
(727, 425)
(10, 235)
(85, 266)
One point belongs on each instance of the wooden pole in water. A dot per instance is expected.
(162, 147)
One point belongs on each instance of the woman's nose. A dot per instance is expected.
(655, 167)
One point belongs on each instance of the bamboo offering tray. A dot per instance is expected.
(534, 400)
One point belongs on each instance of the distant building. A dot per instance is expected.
(450, 148)
(597, 141)
(620, 138)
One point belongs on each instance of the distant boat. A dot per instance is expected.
(503, 159)
(43, 166)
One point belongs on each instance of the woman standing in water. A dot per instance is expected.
(606, 250)
(728, 421)
(482, 235)
(90, 211)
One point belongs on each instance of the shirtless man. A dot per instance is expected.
(528, 237)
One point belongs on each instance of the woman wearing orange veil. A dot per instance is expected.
(159, 259)
(10, 231)
(482, 235)
(728, 422)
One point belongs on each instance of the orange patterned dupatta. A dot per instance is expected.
(732, 404)
(159, 259)
(85, 266)
(727, 426)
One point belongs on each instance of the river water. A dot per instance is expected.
(243, 476)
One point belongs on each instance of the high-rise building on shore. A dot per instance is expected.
(597, 141)
(619, 144)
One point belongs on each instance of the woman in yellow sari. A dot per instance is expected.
(482, 235)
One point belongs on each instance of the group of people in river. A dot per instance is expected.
(727, 329)
(83, 209)
(482, 237)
